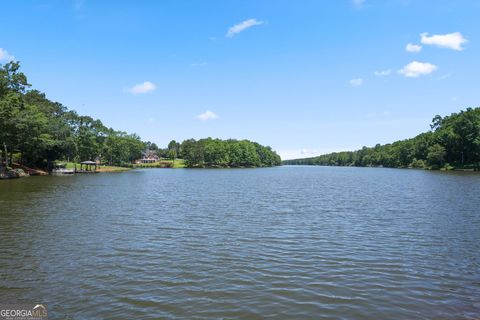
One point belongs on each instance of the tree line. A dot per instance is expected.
(452, 142)
(36, 131)
(223, 153)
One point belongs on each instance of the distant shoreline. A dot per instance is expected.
(451, 169)
(453, 143)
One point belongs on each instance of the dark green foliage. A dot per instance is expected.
(39, 131)
(227, 153)
(173, 150)
(453, 141)
(436, 155)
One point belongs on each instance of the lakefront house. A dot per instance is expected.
(148, 156)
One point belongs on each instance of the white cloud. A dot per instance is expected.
(356, 82)
(413, 48)
(383, 73)
(5, 56)
(452, 41)
(358, 3)
(141, 88)
(242, 26)
(207, 115)
(416, 69)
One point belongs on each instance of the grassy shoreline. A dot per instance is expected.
(100, 168)
(178, 163)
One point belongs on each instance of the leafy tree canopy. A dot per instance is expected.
(453, 141)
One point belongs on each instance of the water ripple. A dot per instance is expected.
(279, 243)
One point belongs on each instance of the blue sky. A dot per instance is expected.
(305, 77)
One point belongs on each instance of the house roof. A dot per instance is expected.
(88, 162)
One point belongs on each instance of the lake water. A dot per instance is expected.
(278, 243)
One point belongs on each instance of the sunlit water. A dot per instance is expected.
(279, 243)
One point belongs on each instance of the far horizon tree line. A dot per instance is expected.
(454, 141)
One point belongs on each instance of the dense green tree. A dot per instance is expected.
(151, 146)
(436, 155)
(13, 84)
(173, 150)
(459, 133)
(227, 153)
(11, 79)
(192, 153)
(453, 141)
(11, 106)
(39, 131)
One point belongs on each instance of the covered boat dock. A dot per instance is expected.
(87, 167)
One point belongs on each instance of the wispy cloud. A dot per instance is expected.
(383, 73)
(413, 47)
(242, 26)
(207, 115)
(445, 76)
(5, 56)
(416, 69)
(356, 82)
(141, 88)
(452, 41)
(358, 3)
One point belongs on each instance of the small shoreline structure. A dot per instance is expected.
(61, 169)
(87, 167)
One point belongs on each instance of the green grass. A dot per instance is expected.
(178, 163)
(70, 165)
(101, 168)
(112, 169)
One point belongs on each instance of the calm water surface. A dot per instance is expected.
(279, 243)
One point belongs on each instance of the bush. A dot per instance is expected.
(418, 164)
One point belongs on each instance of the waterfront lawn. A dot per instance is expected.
(178, 163)
(101, 168)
